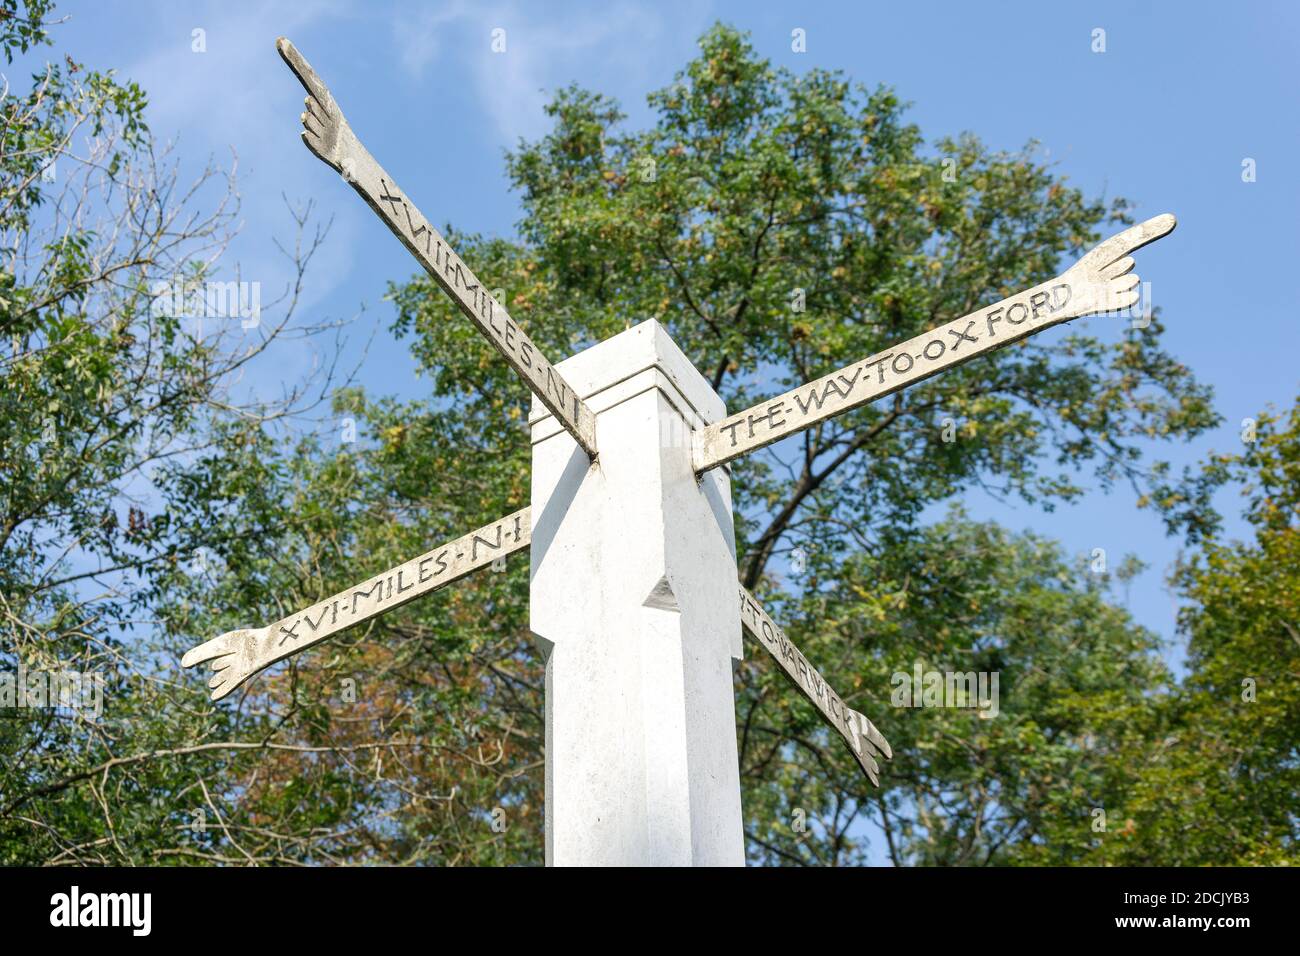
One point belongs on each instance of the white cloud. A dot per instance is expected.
(545, 48)
(224, 88)
(417, 36)
(238, 92)
(544, 52)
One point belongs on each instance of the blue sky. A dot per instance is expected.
(1182, 95)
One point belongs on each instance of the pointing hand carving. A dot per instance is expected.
(233, 657)
(1103, 280)
(325, 129)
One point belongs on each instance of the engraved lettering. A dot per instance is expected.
(963, 336)
(553, 384)
(476, 539)
(1058, 306)
(368, 594)
(390, 199)
(994, 316)
(1037, 303)
(410, 224)
(288, 632)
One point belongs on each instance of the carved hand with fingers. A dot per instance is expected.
(234, 657)
(1103, 280)
(325, 129)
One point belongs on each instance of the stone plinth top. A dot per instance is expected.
(627, 364)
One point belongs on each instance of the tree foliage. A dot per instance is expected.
(1219, 786)
(779, 225)
(107, 398)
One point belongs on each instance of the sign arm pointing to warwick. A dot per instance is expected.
(237, 655)
(1101, 281)
(864, 740)
(329, 137)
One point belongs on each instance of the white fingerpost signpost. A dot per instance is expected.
(633, 593)
(633, 572)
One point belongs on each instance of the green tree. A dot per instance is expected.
(1014, 770)
(108, 393)
(1220, 785)
(780, 225)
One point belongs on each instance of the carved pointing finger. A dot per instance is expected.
(1125, 299)
(1117, 268)
(1125, 282)
(326, 133)
(314, 143)
(875, 736)
(217, 647)
(227, 656)
(870, 735)
(1130, 240)
(302, 69)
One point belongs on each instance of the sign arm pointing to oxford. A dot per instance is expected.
(1101, 281)
(329, 137)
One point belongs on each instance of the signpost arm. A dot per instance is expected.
(864, 740)
(1102, 281)
(237, 655)
(328, 135)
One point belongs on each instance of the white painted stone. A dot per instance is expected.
(632, 601)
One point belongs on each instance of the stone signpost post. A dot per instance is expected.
(633, 595)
